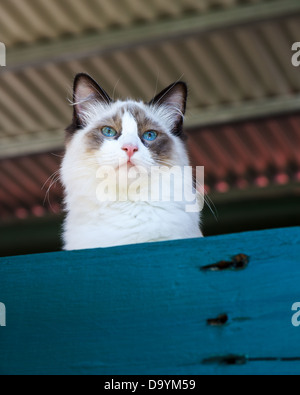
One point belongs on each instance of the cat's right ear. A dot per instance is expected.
(86, 91)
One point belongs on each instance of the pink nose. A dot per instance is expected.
(130, 150)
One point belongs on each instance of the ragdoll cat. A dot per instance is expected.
(115, 138)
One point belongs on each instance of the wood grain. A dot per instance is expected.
(145, 309)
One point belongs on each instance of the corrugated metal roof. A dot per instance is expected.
(24, 183)
(30, 21)
(252, 154)
(249, 154)
(227, 71)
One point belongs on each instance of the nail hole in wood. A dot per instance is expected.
(227, 360)
(238, 262)
(221, 320)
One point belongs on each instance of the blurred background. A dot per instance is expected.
(243, 117)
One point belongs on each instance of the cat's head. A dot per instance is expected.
(115, 133)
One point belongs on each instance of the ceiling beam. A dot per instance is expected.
(243, 111)
(66, 49)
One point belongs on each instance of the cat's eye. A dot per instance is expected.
(109, 132)
(151, 135)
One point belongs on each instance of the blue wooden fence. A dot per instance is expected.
(155, 308)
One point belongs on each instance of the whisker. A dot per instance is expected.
(115, 87)
(207, 199)
(48, 179)
(156, 85)
(58, 156)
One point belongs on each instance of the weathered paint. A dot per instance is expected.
(150, 309)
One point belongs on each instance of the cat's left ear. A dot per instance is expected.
(174, 97)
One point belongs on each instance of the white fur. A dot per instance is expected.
(129, 130)
(91, 223)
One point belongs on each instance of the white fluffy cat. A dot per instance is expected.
(124, 136)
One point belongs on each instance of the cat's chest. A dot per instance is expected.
(129, 223)
(131, 215)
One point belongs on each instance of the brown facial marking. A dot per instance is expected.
(162, 146)
(95, 138)
(115, 121)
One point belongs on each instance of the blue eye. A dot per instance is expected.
(151, 135)
(107, 131)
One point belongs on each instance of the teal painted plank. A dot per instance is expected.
(143, 309)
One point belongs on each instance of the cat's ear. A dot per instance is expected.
(86, 91)
(174, 97)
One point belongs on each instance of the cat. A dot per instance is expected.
(123, 136)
